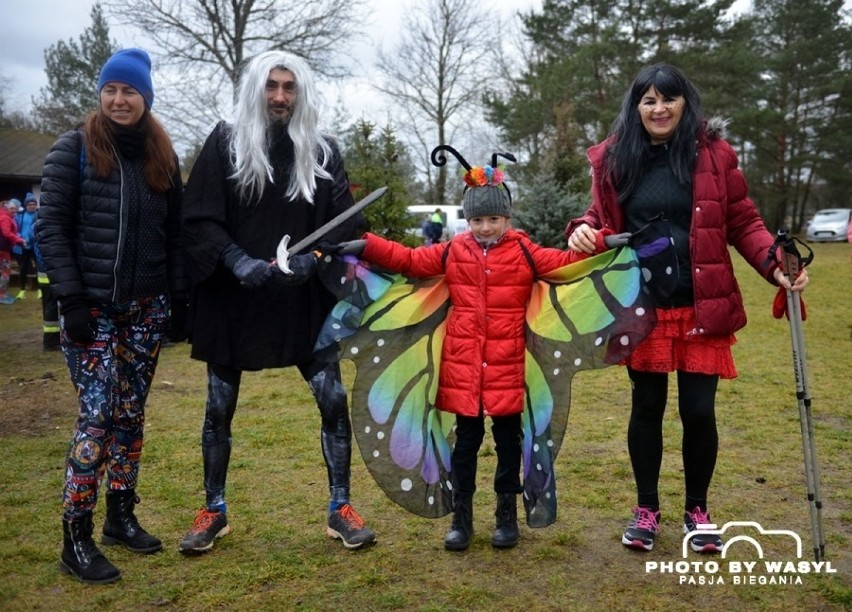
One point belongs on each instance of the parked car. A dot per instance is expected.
(454, 221)
(829, 225)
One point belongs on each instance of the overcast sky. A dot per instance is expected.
(31, 26)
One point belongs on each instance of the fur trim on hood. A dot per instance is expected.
(717, 128)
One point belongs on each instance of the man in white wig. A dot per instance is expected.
(270, 172)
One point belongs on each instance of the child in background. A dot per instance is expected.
(490, 270)
(9, 238)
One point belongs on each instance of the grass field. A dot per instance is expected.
(278, 556)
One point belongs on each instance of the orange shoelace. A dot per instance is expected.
(350, 516)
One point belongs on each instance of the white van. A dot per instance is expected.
(454, 221)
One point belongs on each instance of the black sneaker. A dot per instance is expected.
(696, 520)
(642, 529)
(207, 527)
(345, 524)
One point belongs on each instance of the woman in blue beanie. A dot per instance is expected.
(109, 234)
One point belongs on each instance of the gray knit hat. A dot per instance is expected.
(486, 201)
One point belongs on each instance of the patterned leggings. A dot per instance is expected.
(112, 376)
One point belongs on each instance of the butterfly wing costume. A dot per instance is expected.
(582, 316)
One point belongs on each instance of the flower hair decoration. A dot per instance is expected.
(476, 176)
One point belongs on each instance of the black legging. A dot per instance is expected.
(696, 405)
(26, 266)
(507, 442)
(223, 387)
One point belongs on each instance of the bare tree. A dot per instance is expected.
(201, 45)
(437, 74)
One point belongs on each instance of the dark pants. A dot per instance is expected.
(26, 266)
(507, 439)
(696, 406)
(223, 387)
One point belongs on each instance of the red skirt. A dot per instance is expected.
(672, 346)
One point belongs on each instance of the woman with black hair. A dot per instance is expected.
(663, 157)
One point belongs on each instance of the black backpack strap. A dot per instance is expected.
(528, 255)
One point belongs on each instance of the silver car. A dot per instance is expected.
(829, 225)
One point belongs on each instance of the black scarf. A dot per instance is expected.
(130, 139)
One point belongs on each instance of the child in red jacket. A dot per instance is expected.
(489, 270)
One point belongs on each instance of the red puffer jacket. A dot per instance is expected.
(722, 214)
(483, 354)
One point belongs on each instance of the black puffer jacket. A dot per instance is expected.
(83, 228)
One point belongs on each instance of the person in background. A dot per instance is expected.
(271, 172)
(663, 157)
(110, 236)
(490, 271)
(437, 226)
(49, 304)
(24, 254)
(9, 238)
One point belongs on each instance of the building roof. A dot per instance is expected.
(22, 153)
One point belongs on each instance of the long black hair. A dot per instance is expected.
(627, 158)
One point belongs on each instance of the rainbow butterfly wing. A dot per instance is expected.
(393, 330)
(587, 315)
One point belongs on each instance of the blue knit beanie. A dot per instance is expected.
(131, 67)
(30, 198)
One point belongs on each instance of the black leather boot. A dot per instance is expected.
(81, 557)
(506, 534)
(461, 530)
(121, 526)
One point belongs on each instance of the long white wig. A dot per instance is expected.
(249, 147)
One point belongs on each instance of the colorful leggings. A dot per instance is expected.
(112, 376)
(223, 388)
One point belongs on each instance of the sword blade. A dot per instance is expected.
(325, 228)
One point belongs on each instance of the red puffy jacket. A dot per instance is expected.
(483, 354)
(722, 214)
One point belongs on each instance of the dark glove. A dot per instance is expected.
(249, 271)
(353, 247)
(303, 267)
(177, 319)
(78, 321)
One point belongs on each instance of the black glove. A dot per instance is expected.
(353, 247)
(77, 319)
(249, 271)
(177, 319)
(303, 267)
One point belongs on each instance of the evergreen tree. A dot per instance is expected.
(72, 70)
(543, 210)
(794, 133)
(376, 159)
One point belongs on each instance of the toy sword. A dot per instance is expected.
(283, 252)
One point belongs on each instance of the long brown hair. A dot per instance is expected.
(160, 164)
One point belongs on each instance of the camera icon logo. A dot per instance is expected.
(711, 529)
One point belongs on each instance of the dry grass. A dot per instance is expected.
(279, 558)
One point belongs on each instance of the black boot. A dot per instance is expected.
(506, 534)
(81, 557)
(121, 526)
(458, 537)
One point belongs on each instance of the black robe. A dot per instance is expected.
(274, 325)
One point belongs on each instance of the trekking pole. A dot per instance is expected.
(792, 263)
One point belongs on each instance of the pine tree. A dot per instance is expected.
(72, 69)
(376, 159)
